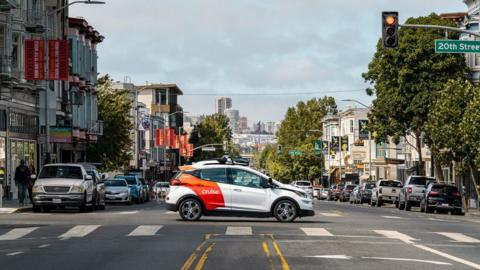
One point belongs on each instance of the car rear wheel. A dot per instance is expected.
(190, 209)
(285, 211)
(408, 206)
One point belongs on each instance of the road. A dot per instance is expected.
(340, 236)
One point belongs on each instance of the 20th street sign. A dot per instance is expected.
(457, 46)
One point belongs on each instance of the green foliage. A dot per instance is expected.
(298, 131)
(407, 81)
(214, 129)
(113, 149)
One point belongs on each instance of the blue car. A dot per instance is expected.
(136, 188)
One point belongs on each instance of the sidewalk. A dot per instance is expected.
(12, 206)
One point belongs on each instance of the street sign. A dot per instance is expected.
(295, 153)
(457, 46)
(208, 149)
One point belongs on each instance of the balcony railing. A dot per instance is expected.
(36, 20)
(96, 128)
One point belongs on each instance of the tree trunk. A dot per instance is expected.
(473, 176)
(420, 168)
(438, 168)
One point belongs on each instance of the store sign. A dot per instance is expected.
(362, 129)
(60, 135)
(34, 52)
(58, 54)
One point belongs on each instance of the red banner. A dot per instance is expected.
(190, 150)
(34, 51)
(173, 139)
(58, 54)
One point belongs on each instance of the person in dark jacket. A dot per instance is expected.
(22, 175)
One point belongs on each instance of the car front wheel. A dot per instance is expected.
(285, 211)
(190, 210)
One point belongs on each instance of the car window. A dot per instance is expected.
(420, 180)
(131, 180)
(369, 186)
(214, 174)
(115, 183)
(303, 183)
(445, 189)
(350, 187)
(246, 179)
(390, 184)
(71, 172)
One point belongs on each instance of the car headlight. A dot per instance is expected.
(301, 194)
(77, 189)
(37, 188)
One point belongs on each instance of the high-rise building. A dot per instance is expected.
(243, 125)
(222, 104)
(234, 116)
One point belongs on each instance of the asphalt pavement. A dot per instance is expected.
(147, 236)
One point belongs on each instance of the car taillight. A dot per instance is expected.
(175, 182)
(433, 193)
(409, 190)
(380, 190)
(456, 194)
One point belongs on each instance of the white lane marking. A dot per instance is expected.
(396, 235)
(448, 256)
(79, 231)
(459, 237)
(17, 233)
(145, 230)
(170, 213)
(231, 230)
(316, 232)
(338, 257)
(407, 260)
(126, 212)
(330, 214)
(44, 246)
(15, 253)
(392, 217)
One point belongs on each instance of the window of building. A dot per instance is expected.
(381, 150)
(351, 126)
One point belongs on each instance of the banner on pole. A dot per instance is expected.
(58, 54)
(34, 53)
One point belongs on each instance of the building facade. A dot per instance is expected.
(222, 104)
(233, 116)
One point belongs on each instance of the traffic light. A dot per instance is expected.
(390, 29)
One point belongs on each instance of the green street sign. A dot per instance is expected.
(456, 46)
(295, 153)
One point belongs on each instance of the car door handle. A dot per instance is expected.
(238, 190)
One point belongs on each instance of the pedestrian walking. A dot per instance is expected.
(31, 182)
(22, 175)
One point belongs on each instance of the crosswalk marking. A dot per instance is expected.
(15, 253)
(17, 233)
(145, 230)
(396, 235)
(127, 212)
(330, 214)
(316, 232)
(392, 217)
(459, 237)
(231, 230)
(79, 231)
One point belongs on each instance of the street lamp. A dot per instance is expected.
(47, 94)
(369, 138)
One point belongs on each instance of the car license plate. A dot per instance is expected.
(393, 191)
(110, 197)
(444, 204)
(56, 200)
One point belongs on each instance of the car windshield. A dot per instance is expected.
(420, 180)
(115, 183)
(445, 189)
(390, 184)
(303, 184)
(350, 187)
(131, 180)
(72, 172)
(369, 185)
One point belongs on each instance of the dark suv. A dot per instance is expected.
(442, 198)
(345, 194)
(365, 192)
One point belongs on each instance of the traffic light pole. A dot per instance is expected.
(440, 27)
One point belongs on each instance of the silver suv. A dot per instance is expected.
(412, 192)
(60, 185)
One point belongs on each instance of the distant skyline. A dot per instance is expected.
(252, 51)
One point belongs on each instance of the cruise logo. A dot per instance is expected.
(210, 192)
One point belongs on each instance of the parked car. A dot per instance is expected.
(365, 192)
(117, 190)
(305, 185)
(61, 185)
(442, 198)
(338, 191)
(136, 188)
(412, 192)
(316, 192)
(355, 196)
(323, 194)
(385, 191)
(98, 185)
(161, 189)
(346, 191)
(234, 190)
(331, 193)
(146, 189)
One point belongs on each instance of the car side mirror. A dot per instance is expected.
(33, 177)
(270, 181)
(104, 176)
(88, 177)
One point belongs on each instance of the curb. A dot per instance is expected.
(23, 209)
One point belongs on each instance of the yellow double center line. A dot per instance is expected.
(283, 261)
(198, 250)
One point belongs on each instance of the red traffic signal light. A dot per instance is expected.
(390, 36)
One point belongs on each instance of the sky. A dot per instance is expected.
(266, 55)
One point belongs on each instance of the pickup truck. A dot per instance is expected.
(413, 191)
(385, 191)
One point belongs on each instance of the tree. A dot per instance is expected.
(214, 129)
(113, 149)
(406, 81)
